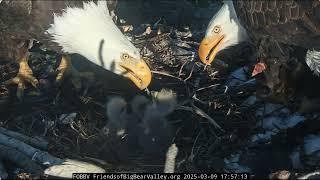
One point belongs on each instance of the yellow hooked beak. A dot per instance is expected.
(209, 47)
(137, 71)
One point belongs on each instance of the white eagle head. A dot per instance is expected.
(223, 31)
(91, 32)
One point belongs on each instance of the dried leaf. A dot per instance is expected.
(258, 68)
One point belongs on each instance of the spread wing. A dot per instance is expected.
(290, 22)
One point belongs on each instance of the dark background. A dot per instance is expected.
(174, 12)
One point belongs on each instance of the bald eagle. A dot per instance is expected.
(272, 26)
(81, 27)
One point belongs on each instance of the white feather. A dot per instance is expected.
(81, 30)
(227, 19)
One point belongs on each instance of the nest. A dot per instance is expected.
(207, 117)
(209, 121)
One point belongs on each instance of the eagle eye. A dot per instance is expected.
(125, 56)
(216, 29)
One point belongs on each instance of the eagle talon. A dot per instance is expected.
(66, 69)
(24, 76)
(63, 69)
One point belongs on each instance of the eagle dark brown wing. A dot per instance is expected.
(29, 19)
(14, 18)
(290, 22)
(24, 20)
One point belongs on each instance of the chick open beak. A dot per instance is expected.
(137, 71)
(209, 47)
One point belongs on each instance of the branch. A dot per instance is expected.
(171, 159)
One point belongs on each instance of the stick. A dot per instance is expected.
(166, 74)
(307, 176)
(20, 159)
(202, 114)
(34, 141)
(171, 159)
(190, 75)
(35, 154)
(207, 87)
(205, 115)
(70, 166)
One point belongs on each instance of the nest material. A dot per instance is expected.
(209, 121)
(172, 56)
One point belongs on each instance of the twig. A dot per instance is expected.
(207, 87)
(166, 74)
(171, 159)
(192, 154)
(181, 68)
(307, 176)
(201, 113)
(213, 74)
(226, 89)
(191, 42)
(194, 97)
(205, 115)
(190, 75)
(205, 67)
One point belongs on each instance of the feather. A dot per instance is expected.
(146, 125)
(227, 19)
(282, 21)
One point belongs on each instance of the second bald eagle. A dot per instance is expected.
(268, 24)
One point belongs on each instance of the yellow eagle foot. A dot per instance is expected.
(24, 76)
(66, 69)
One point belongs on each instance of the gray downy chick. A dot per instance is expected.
(157, 134)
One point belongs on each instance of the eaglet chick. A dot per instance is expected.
(141, 124)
